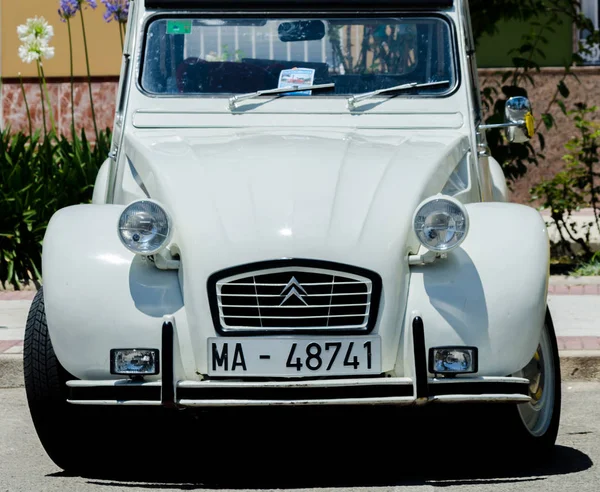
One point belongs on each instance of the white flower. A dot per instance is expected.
(35, 49)
(35, 35)
(36, 27)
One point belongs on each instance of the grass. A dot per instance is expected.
(589, 268)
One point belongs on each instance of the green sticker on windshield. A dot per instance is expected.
(179, 26)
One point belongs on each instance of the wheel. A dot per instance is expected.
(55, 421)
(534, 425)
(79, 439)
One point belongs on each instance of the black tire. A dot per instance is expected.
(56, 421)
(517, 434)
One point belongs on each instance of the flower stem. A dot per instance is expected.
(121, 34)
(89, 74)
(26, 105)
(51, 113)
(42, 99)
(72, 84)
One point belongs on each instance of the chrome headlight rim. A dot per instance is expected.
(166, 237)
(441, 198)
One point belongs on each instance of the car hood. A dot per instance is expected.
(238, 197)
(250, 196)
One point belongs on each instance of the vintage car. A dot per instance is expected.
(255, 241)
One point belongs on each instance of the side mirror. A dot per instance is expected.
(518, 115)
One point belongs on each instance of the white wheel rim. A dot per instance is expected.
(537, 414)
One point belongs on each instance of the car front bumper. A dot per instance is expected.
(417, 390)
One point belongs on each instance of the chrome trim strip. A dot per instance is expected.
(291, 307)
(396, 400)
(139, 403)
(489, 398)
(307, 295)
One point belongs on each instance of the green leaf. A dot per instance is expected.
(563, 89)
(548, 120)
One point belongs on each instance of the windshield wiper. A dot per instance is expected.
(295, 88)
(413, 85)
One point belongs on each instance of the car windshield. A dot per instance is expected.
(197, 56)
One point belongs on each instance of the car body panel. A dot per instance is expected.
(462, 299)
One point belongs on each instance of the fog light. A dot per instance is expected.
(452, 360)
(133, 362)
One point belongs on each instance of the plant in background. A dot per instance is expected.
(35, 36)
(543, 16)
(20, 231)
(67, 10)
(40, 176)
(92, 4)
(576, 186)
(37, 178)
(117, 10)
(26, 104)
(588, 268)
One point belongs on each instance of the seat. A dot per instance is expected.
(195, 75)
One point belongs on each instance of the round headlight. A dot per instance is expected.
(441, 223)
(144, 227)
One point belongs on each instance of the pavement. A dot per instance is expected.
(574, 303)
(424, 450)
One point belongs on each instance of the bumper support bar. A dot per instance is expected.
(420, 358)
(167, 396)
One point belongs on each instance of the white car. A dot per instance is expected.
(254, 240)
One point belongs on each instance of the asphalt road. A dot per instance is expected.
(319, 450)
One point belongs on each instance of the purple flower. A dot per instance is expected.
(68, 9)
(90, 3)
(117, 10)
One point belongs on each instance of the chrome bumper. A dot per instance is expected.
(388, 391)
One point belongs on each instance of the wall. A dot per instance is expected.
(493, 51)
(104, 48)
(15, 113)
(104, 43)
(586, 90)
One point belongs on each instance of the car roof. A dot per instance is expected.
(327, 5)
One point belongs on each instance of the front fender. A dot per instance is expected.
(98, 295)
(490, 292)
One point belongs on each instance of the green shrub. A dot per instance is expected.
(589, 268)
(577, 185)
(39, 176)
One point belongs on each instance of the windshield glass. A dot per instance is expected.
(199, 56)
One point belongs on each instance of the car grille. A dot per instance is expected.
(294, 299)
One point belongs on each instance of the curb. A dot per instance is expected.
(575, 365)
(11, 371)
(580, 365)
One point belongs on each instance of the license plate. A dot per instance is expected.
(293, 357)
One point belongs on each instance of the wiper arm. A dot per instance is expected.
(413, 85)
(284, 90)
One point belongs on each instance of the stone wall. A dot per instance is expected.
(587, 90)
(104, 90)
(14, 113)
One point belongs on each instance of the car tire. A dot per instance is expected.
(532, 428)
(57, 423)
